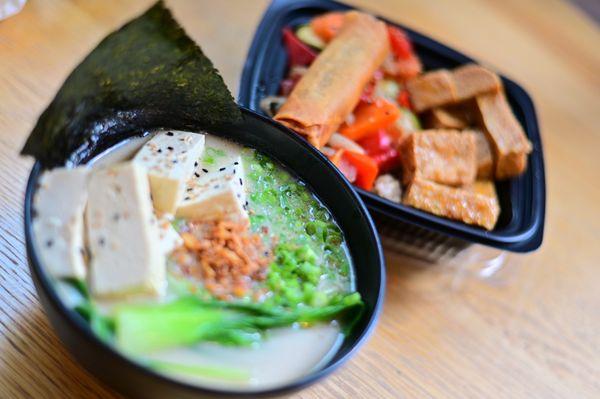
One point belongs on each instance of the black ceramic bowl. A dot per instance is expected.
(326, 182)
(520, 227)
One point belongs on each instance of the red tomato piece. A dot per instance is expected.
(298, 52)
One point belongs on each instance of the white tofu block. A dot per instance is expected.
(215, 192)
(170, 158)
(169, 237)
(123, 233)
(58, 208)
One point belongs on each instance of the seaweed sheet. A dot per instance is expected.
(145, 75)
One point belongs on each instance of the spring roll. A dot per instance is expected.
(331, 87)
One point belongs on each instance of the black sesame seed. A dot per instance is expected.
(159, 150)
(169, 133)
(236, 163)
(196, 174)
(241, 182)
(182, 139)
(189, 189)
(174, 161)
(221, 169)
(170, 148)
(234, 171)
(239, 196)
(101, 242)
(205, 170)
(246, 204)
(49, 243)
(216, 186)
(186, 198)
(195, 164)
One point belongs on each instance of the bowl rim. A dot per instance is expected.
(527, 236)
(77, 323)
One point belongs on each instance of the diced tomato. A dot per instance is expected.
(408, 68)
(343, 165)
(299, 53)
(327, 26)
(366, 169)
(404, 99)
(400, 43)
(382, 148)
(377, 142)
(387, 160)
(369, 118)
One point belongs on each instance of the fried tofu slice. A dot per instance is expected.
(443, 87)
(431, 89)
(443, 156)
(446, 118)
(483, 155)
(485, 187)
(505, 134)
(461, 204)
(471, 80)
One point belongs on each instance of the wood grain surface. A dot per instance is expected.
(532, 330)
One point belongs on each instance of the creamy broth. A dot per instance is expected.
(285, 353)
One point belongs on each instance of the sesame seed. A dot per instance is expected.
(186, 199)
(241, 182)
(195, 164)
(221, 169)
(170, 148)
(49, 243)
(205, 170)
(196, 174)
(159, 150)
(189, 189)
(101, 242)
(236, 163)
(169, 133)
(174, 161)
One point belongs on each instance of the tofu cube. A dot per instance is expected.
(471, 80)
(169, 158)
(58, 208)
(431, 90)
(123, 235)
(442, 156)
(461, 204)
(505, 134)
(215, 194)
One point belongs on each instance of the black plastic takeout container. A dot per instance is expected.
(330, 187)
(520, 226)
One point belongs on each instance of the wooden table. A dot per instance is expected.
(533, 330)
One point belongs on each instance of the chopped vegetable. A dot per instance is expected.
(343, 165)
(189, 320)
(404, 99)
(328, 25)
(407, 122)
(308, 36)
(380, 146)
(366, 169)
(223, 373)
(340, 141)
(298, 52)
(388, 89)
(369, 118)
(401, 46)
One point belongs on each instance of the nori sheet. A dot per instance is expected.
(147, 74)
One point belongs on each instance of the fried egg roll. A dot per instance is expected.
(332, 86)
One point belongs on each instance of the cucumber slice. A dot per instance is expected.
(307, 35)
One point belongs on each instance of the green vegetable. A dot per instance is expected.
(223, 373)
(408, 121)
(388, 89)
(306, 34)
(186, 321)
(148, 73)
